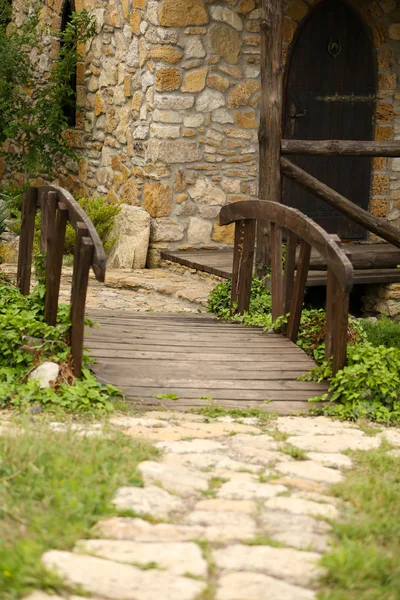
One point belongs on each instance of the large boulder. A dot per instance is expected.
(132, 230)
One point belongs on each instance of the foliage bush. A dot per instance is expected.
(102, 216)
(10, 207)
(368, 386)
(32, 109)
(21, 317)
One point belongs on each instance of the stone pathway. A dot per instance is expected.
(227, 513)
(158, 290)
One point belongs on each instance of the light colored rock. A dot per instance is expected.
(132, 231)
(45, 374)
(117, 581)
(190, 447)
(309, 470)
(125, 422)
(225, 14)
(253, 586)
(164, 131)
(303, 569)
(226, 42)
(312, 425)
(173, 102)
(150, 500)
(192, 429)
(330, 459)
(218, 461)
(262, 449)
(217, 505)
(194, 48)
(298, 531)
(180, 13)
(300, 506)
(221, 115)
(193, 121)
(157, 199)
(178, 480)
(125, 528)
(334, 443)
(173, 151)
(390, 435)
(249, 490)
(164, 230)
(199, 231)
(195, 81)
(209, 100)
(179, 558)
(203, 191)
(167, 116)
(221, 526)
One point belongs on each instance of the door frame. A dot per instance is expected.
(288, 63)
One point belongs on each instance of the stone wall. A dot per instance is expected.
(168, 100)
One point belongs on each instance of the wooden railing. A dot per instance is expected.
(57, 207)
(288, 286)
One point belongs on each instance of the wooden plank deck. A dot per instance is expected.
(198, 358)
(373, 263)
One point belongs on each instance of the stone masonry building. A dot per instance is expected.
(168, 103)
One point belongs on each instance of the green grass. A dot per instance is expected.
(293, 451)
(363, 563)
(213, 411)
(53, 488)
(263, 540)
(384, 332)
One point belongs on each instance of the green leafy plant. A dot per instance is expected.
(33, 123)
(10, 208)
(102, 214)
(383, 332)
(22, 322)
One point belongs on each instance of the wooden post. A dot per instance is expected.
(341, 327)
(270, 132)
(299, 290)
(55, 252)
(243, 259)
(26, 240)
(78, 301)
(276, 271)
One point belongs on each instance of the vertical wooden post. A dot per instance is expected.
(243, 259)
(55, 252)
(78, 301)
(299, 290)
(26, 240)
(276, 271)
(330, 313)
(290, 267)
(270, 132)
(341, 327)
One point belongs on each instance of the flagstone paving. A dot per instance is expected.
(226, 513)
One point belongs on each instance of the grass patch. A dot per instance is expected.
(214, 411)
(53, 488)
(384, 332)
(263, 540)
(363, 563)
(293, 451)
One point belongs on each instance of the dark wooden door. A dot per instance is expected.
(330, 94)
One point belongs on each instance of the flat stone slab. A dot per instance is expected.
(261, 448)
(190, 429)
(390, 435)
(237, 506)
(117, 581)
(297, 531)
(331, 459)
(178, 480)
(300, 506)
(293, 566)
(151, 500)
(179, 558)
(312, 425)
(309, 469)
(335, 443)
(126, 528)
(197, 446)
(255, 586)
(249, 490)
(206, 461)
(221, 526)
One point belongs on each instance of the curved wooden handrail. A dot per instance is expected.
(76, 214)
(295, 221)
(57, 207)
(288, 290)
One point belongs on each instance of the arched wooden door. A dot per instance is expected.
(330, 94)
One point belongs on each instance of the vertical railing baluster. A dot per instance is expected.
(243, 259)
(55, 251)
(27, 234)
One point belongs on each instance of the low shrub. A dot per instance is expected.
(384, 332)
(21, 318)
(102, 215)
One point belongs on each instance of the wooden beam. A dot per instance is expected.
(340, 148)
(270, 132)
(378, 226)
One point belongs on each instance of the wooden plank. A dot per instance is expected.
(276, 271)
(270, 130)
(330, 314)
(298, 293)
(78, 301)
(99, 343)
(377, 226)
(280, 408)
(243, 257)
(340, 148)
(55, 250)
(215, 394)
(26, 240)
(290, 265)
(341, 326)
